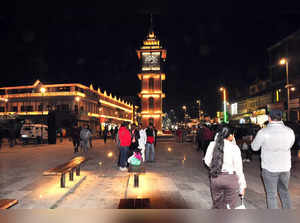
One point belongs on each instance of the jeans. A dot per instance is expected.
(123, 156)
(277, 182)
(148, 148)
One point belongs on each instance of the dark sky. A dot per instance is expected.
(209, 44)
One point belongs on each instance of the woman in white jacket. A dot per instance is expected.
(223, 157)
(142, 140)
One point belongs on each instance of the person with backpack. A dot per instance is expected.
(85, 136)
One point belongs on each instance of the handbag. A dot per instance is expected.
(241, 206)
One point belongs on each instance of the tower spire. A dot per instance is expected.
(151, 30)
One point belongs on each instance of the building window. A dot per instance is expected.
(29, 108)
(1, 109)
(76, 108)
(40, 107)
(151, 121)
(63, 89)
(151, 83)
(15, 108)
(26, 108)
(65, 107)
(151, 103)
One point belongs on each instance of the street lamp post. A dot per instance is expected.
(222, 89)
(184, 109)
(42, 90)
(199, 104)
(285, 62)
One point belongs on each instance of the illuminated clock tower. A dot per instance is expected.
(151, 56)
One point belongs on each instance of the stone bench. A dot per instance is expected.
(68, 167)
(7, 203)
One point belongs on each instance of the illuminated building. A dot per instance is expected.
(84, 104)
(151, 56)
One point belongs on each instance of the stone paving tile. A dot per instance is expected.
(177, 180)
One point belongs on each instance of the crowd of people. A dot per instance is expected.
(223, 157)
(136, 143)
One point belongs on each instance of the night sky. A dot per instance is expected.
(209, 44)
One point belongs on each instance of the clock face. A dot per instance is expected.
(152, 60)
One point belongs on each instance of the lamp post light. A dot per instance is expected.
(222, 89)
(285, 62)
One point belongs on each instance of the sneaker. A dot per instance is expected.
(123, 169)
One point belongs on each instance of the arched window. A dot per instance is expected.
(151, 103)
(151, 83)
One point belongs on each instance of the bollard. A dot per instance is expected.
(63, 181)
(78, 171)
(136, 180)
(71, 175)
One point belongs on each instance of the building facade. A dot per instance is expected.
(288, 49)
(269, 94)
(72, 102)
(151, 56)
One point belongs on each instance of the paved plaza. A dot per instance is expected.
(178, 179)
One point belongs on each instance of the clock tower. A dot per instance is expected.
(151, 57)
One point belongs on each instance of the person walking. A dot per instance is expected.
(150, 143)
(155, 135)
(125, 142)
(105, 133)
(85, 136)
(207, 136)
(223, 157)
(275, 142)
(199, 137)
(91, 138)
(142, 140)
(75, 135)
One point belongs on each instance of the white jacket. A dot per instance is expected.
(143, 138)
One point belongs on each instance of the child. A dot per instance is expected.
(136, 159)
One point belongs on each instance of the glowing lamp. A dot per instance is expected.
(77, 99)
(282, 61)
(43, 90)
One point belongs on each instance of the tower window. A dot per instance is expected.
(151, 121)
(151, 103)
(151, 83)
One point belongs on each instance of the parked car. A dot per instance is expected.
(37, 133)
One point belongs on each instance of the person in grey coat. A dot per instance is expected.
(85, 136)
(275, 142)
